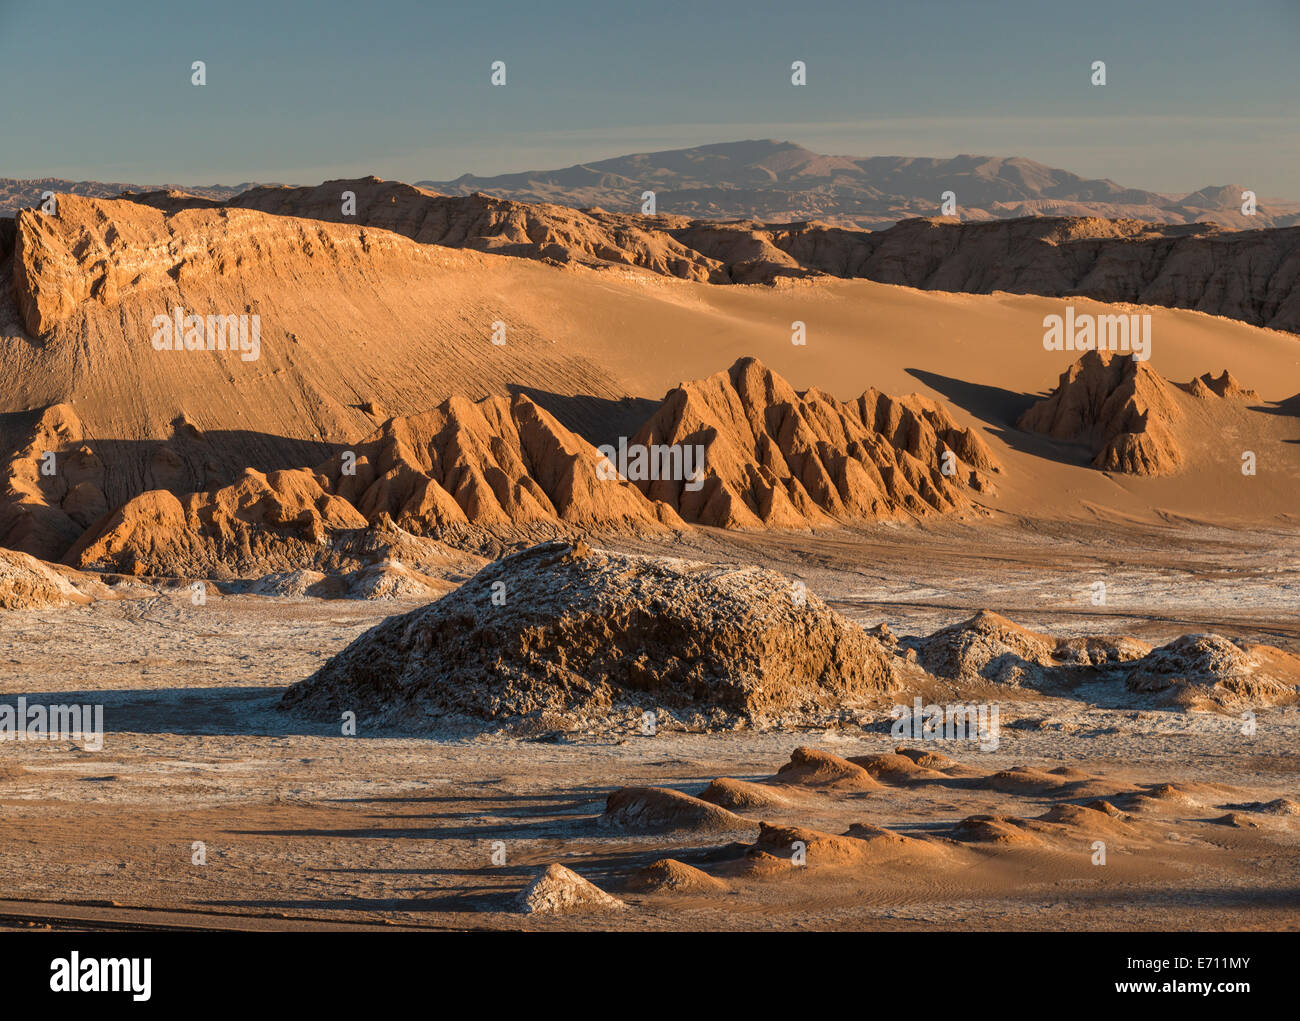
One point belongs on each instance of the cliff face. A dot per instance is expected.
(1251, 275)
(106, 250)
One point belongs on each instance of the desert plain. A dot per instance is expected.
(320, 709)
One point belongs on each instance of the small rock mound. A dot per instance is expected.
(743, 795)
(564, 629)
(674, 876)
(1196, 671)
(894, 768)
(781, 842)
(649, 809)
(994, 829)
(811, 767)
(1226, 386)
(559, 890)
(27, 584)
(990, 648)
(927, 759)
(1278, 806)
(1086, 818)
(1237, 821)
(986, 647)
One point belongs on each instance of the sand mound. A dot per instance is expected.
(811, 767)
(884, 844)
(28, 584)
(673, 876)
(1200, 671)
(1025, 780)
(1278, 806)
(559, 890)
(777, 458)
(661, 808)
(588, 634)
(743, 795)
(1165, 797)
(1102, 805)
(1062, 782)
(1237, 821)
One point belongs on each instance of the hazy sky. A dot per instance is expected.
(1198, 92)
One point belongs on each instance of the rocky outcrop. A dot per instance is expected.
(557, 890)
(570, 637)
(1205, 671)
(500, 465)
(1191, 672)
(989, 647)
(1130, 419)
(28, 584)
(772, 458)
(777, 458)
(499, 462)
(1246, 274)
(1119, 408)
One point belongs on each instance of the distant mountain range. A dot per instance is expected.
(780, 182)
(25, 192)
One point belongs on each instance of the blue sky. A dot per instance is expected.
(1198, 93)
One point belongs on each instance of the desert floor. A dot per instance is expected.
(304, 827)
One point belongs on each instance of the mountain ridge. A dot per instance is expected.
(781, 181)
